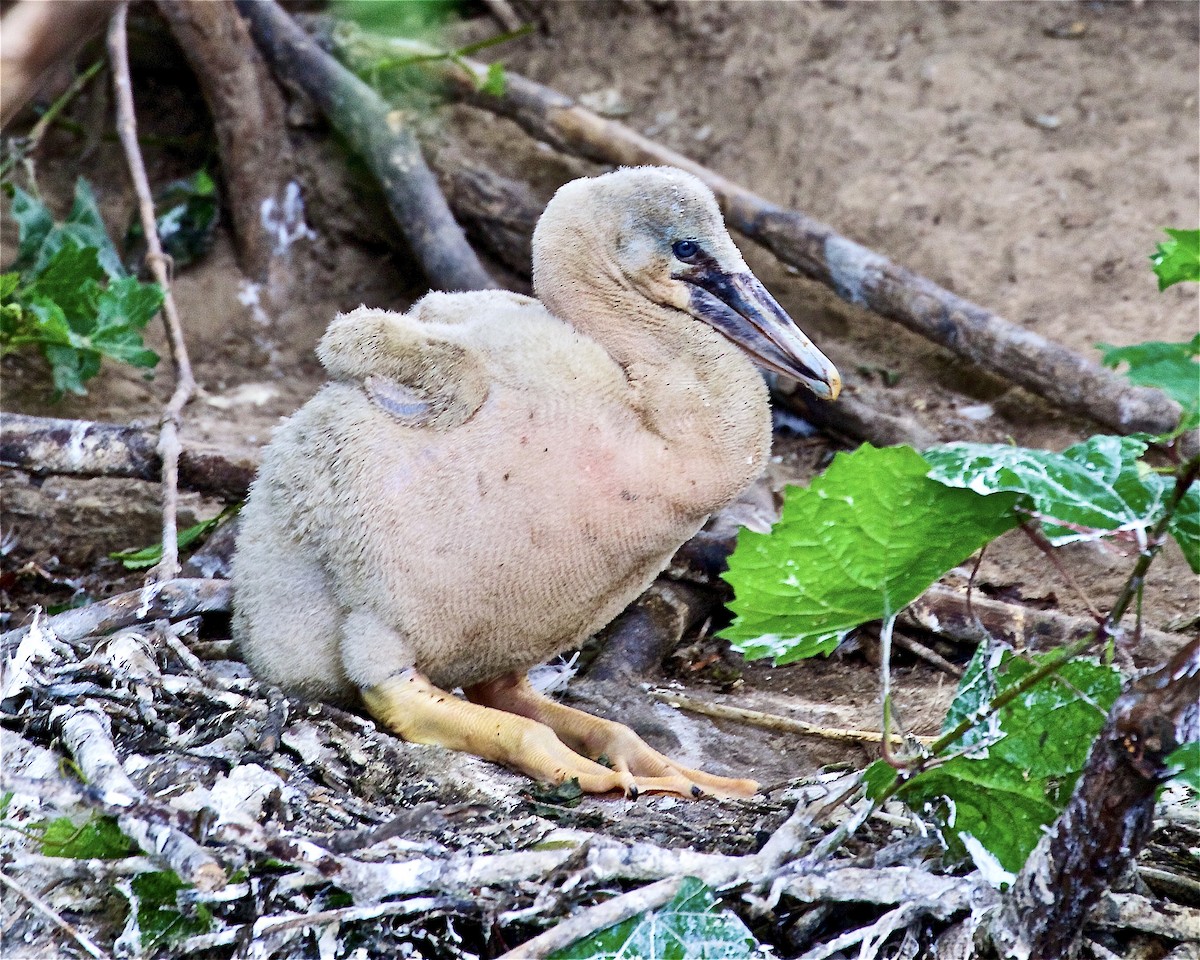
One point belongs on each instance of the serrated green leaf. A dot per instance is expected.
(41, 238)
(1170, 367)
(1183, 765)
(1094, 487)
(1185, 526)
(127, 304)
(688, 928)
(70, 278)
(98, 838)
(1024, 761)
(1177, 259)
(34, 223)
(862, 541)
(159, 918)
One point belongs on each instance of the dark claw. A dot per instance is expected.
(697, 792)
(633, 791)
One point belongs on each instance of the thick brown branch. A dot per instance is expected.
(248, 117)
(1107, 819)
(379, 134)
(45, 446)
(856, 273)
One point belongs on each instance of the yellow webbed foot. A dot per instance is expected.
(639, 766)
(414, 708)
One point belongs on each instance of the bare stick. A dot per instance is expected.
(596, 918)
(378, 132)
(505, 15)
(771, 721)
(46, 446)
(46, 910)
(1108, 817)
(248, 118)
(168, 444)
(949, 612)
(85, 732)
(854, 272)
(170, 600)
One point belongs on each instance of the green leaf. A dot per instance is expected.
(1177, 259)
(159, 918)
(858, 544)
(687, 928)
(1093, 486)
(98, 838)
(34, 223)
(70, 278)
(141, 557)
(1171, 367)
(8, 284)
(186, 214)
(1184, 765)
(41, 238)
(1020, 766)
(1185, 526)
(493, 84)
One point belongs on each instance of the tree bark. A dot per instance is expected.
(378, 133)
(248, 116)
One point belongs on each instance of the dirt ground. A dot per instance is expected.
(1024, 155)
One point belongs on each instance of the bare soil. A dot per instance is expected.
(1024, 155)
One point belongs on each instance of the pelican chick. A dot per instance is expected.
(489, 479)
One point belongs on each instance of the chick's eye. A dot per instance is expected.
(685, 250)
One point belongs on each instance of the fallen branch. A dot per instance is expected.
(772, 721)
(169, 447)
(602, 915)
(854, 272)
(42, 907)
(45, 446)
(637, 642)
(248, 119)
(86, 733)
(379, 134)
(946, 612)
(1108, 817)
(171, 600)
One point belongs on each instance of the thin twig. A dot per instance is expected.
(932, 657)
(1038, 539)
(29, 143)
(44, 908)
(596, 918)
(169, 446)
(505, 15)
(770, 721)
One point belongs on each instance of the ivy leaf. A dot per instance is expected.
(1014, 774)
(1184, 765)
(1177, 259)
(159, 918)
(687, 928)
(1097, 485)
(186, 214)
(1171, 367)
(858, 544)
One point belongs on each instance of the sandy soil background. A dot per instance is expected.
(1024, 155)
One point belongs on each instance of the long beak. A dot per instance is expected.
(739, 306)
